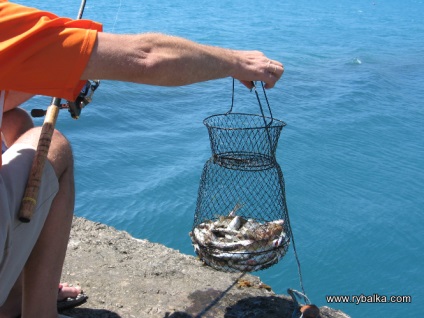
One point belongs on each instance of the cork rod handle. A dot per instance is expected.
(29, 200)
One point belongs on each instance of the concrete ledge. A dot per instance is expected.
(128, 277)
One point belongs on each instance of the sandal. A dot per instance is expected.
(71, 302)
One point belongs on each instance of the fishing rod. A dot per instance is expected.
(29, 200)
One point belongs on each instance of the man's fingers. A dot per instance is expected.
(274, 71)
(255, 66)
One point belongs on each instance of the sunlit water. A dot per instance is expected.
(352, 152)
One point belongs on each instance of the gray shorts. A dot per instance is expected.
(17, 239)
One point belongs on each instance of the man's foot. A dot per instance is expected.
(69, 297)
(66, 291)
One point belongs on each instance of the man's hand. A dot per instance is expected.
(255, 66)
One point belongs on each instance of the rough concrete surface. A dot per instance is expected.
(128, 277)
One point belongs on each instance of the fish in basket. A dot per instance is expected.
(237, 244)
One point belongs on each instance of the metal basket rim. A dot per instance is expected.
(280, 123)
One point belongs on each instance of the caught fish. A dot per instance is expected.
(228, 246)
(230, 256)
(234, 243)
(277, 242)
(236, 223)
(220, 232)
(250, 225)
(236, 208)
(264, 231)
(222, 222)
(203, 237)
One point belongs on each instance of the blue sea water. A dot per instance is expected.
(352, 152)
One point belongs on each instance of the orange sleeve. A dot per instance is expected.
(41, 53)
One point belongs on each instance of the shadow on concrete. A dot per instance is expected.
(252, 307)
(90, 313)
(216, 303)
(260, 307)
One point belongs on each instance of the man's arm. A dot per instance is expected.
(163, 60)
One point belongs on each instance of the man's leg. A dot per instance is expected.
(44, 265)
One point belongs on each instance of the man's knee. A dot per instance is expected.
(60, 151)
(15, 123)
(60, 154)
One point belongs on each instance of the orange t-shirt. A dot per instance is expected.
(41, 53)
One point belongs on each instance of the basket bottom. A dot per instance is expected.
(240, 262)
(234, 243)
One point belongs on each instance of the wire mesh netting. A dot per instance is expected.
(241, 221)
(243, 141)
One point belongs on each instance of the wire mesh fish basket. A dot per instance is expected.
(241, 223)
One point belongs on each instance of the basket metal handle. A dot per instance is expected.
(259, 102)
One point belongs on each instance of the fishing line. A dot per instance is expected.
(116, 16)
(82, 7)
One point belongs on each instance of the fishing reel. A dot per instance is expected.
(84, 98)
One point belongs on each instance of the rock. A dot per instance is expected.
(128, 277)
